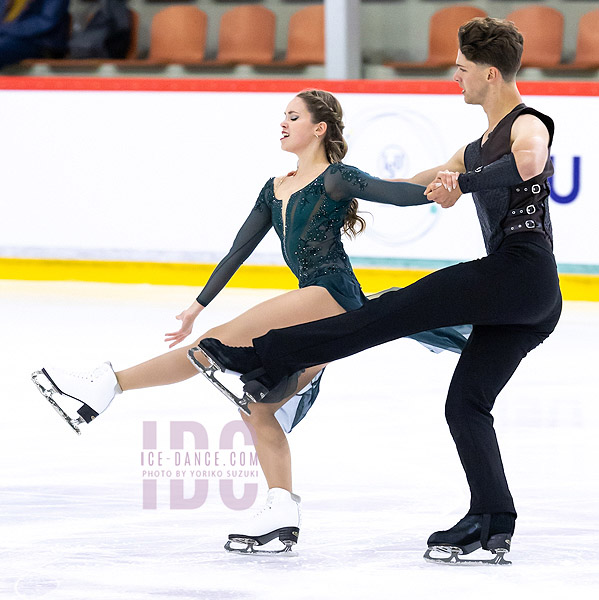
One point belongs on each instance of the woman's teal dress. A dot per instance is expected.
(311, 244)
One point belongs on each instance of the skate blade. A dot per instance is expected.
(454, 557)
(250, 547)
(48, 390)
(209, 373)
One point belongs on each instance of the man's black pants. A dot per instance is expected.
(513, 300)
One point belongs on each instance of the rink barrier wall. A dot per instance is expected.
(575, 287)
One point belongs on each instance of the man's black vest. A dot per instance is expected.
(522, 207)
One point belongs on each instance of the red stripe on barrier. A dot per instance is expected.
(360, 86)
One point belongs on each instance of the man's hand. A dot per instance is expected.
(444, 189)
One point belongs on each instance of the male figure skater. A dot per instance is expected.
(511, 296)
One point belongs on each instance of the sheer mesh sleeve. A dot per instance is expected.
(342, 181)
(252, 232)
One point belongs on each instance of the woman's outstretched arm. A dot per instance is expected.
(342, 182)
(255, 227)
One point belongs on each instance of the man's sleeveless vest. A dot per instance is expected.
(522, 207)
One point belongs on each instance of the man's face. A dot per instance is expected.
(472, 78)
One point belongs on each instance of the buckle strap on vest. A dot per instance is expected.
(529, 211)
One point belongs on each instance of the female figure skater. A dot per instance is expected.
(309, 209)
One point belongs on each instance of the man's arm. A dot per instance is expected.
(455, 163)
(529, 151)
(530, 145)
(445, 177)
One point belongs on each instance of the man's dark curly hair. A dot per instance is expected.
(493, 42)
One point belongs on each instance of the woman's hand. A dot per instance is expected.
(444, 189)
(187, 318)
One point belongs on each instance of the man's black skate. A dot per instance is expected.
(287, 535)
(243, 360)
(489, 532)
(258, 387)
(209, 372)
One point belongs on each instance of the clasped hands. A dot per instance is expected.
(444, 189)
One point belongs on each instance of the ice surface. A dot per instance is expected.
(373, 461)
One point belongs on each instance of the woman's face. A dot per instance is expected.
(298, 130)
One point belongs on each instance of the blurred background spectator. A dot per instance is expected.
(33, 29)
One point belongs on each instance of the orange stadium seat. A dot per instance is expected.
(132, 52)
(543, 30)
(178, 35)
(246, 36)
(442, 37)
(305, 37)
(587, 44)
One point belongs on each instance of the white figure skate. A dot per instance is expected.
(280, 518)
(94, 390)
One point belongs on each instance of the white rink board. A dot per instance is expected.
(167, 175)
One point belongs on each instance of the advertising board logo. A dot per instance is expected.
(396, 144)
(391, 160)
(574, 185)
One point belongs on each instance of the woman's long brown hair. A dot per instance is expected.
(324, 107)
